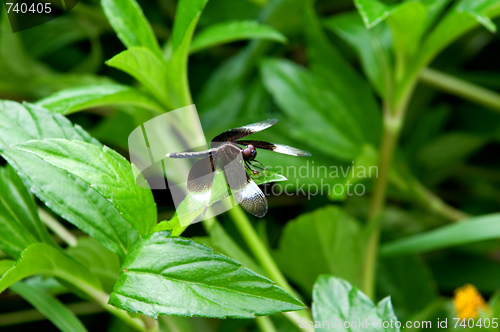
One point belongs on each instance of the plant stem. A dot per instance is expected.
(461, 88)
(57, 228)
(436, 204)
(258, 249)
(263, 256)
(392, 127)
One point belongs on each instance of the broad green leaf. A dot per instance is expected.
(334, 245)
(97, 259)
(468, 231)
(328, 64)
(80, 98)
(20, 224)
(187, 15)
(66, 195)
(335, 299)
(40, 258)
(372, 46)
(191, 279)
(372, 11)
(296, 90)
(5, 265)
(50, 307)
(106, 171)
(130, 24)
(232, 31)
(147, 68)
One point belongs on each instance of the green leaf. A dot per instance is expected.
(372, 46)
(328, 64)
(434, 9)
(66, 195)
(97, 259)
(335, 299)
(84, 97)
(106, 171)
(20, 224)
(334, 245)
(187, 15)
(191, 279)
(147, 68)
(49, 38)
(372, 12)
(266, 176)
(468, 231)
(297, 90)
(494, 304)
(442, 156)
(407, 22)
(223, 94)
(129, 22)
(233, 31)
(40, 258)
(480, 10)
(225, 98)
(50, 307)
(5, 265)
(462, 17)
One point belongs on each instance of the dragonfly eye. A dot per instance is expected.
(247, 152)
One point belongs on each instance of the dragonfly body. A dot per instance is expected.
(232, 153)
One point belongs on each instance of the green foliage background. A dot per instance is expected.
(409, 87)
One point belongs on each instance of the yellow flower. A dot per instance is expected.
(467, 302)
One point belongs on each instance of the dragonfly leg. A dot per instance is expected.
(251, 167)
(261, 167)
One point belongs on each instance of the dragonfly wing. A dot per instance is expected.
(243, 188)
(236, 133)
(280, 148)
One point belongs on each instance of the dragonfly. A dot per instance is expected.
(236, 156)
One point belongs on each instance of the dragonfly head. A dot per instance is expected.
(249, 153)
